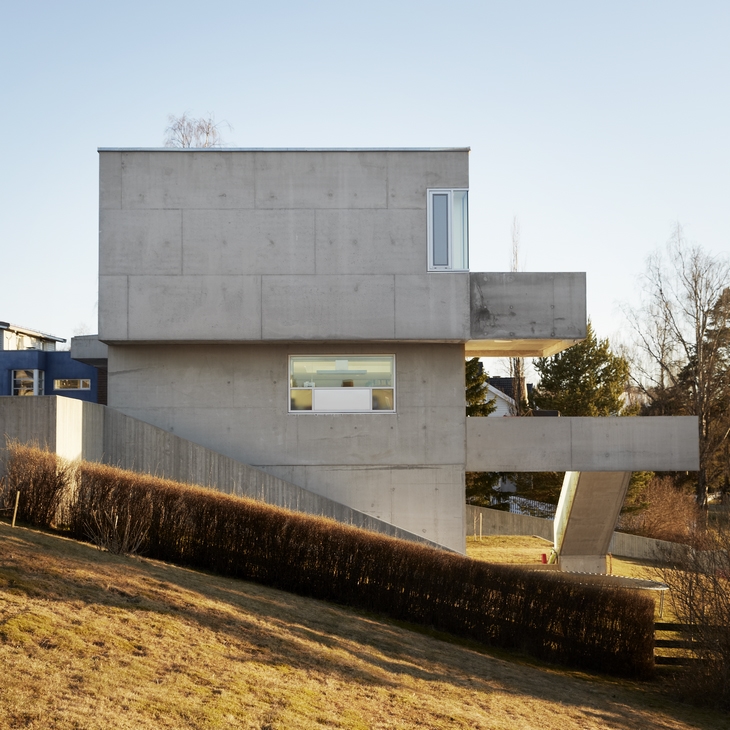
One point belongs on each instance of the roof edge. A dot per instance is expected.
(283, 149)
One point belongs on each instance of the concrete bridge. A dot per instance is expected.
(597, 455)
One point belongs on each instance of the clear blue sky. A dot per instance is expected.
(598, 124)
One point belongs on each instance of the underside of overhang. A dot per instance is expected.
(517, 347)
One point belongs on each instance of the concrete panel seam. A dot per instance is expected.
(182, 241)
(315, 248)
(121, 182)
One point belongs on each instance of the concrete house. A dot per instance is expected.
(308, 312)
(293, 325)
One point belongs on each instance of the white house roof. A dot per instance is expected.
(31, 333)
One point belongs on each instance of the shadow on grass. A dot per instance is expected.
(270, 626)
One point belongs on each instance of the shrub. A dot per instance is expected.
(552, 617)
(43, 480)
(668, 513)
(700, 595)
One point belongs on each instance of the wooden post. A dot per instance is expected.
(480, 526)
(15, 511)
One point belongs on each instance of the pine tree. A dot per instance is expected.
(584, 380)
(479, 484)
(476, 390)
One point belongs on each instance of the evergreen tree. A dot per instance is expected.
(477, 381)
(584, 380)
(478, 484)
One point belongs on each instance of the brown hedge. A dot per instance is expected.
(549, 616)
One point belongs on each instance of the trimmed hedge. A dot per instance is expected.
(550, 616)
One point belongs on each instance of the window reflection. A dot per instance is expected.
(368, 378)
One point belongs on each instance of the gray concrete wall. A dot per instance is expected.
(28, 420)
(78, 430)
(497, 522)
(404, 467)
(526, 314)
(659, 443)
(67, 426)
(89, 349)
(274, 245)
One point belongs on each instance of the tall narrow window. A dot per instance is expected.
(342, 383)
(448, 230)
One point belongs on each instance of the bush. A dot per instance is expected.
(552, 617)
(700, 594)
(667, 512)
(43, 480)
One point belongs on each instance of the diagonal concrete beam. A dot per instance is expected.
(586, 516)
(661, 443)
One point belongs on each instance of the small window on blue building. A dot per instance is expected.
(72, 384)
(28, 382)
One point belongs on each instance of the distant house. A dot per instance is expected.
(504, 405)
(504, 389)
(30, 364)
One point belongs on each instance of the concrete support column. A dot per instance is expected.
(588, 509)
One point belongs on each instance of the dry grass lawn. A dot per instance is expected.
(93, 640)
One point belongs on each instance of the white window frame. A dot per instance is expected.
(38, 380)
(339, 356)
(449, 192)
(83, 384)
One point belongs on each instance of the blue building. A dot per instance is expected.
(31, 365)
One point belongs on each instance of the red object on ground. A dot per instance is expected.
(544, 559)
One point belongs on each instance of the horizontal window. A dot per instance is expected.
(72, 384)
(342, 383)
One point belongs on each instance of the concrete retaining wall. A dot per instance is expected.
(69, 427)
(496, 522)
(79, 430)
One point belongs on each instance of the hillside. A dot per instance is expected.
(93, 640)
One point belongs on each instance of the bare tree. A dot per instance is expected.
(681, 331)
(185, 131)
(517, 364)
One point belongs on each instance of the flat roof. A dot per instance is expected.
(283, 149)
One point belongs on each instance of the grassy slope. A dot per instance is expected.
(91, 640)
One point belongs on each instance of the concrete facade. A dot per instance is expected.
(404, 467)
(216, 266)
(261, 246)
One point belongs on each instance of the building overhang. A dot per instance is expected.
(89, 350)
(521, 314)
